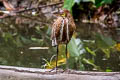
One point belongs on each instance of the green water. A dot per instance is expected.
(18, 35)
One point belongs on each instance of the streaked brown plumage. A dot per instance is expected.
(62, 30)
(57, 29)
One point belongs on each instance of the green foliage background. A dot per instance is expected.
(68, 4)
(98, 53)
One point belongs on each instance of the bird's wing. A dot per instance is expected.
(56, 30)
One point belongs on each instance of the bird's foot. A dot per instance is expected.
(67, 70)
(56, 70)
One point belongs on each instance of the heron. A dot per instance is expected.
(62, 31)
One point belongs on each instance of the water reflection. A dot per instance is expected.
(19, 34)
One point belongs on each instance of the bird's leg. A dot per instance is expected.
(57, 56)
(67, 66)
(56, 60)
(66, 52)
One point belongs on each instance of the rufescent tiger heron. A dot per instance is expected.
(62, 31)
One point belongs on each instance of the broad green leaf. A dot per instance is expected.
(68, 4)
(99, 3)
(75, 47)
(104, 42)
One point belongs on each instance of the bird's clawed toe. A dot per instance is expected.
(56, 70)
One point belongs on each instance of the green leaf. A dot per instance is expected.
(88, 1)
(91, 63)
(99, 3)
(108, 70)
(107, 52)
(104, 41)
(71, 61)
(68, 4)
(106, 1)
(25, 40)
(47, 63)
(91, 52)
(75, 47)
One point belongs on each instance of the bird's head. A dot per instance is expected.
(65, 12)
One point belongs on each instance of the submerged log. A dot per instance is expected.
(21, 73)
